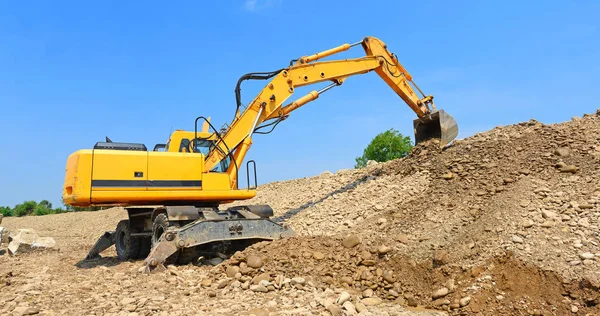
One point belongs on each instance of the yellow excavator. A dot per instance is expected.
(173, 193)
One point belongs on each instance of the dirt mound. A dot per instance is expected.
(504, 222)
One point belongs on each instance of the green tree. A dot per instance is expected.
(46, 204)
(25, 208)
(6, 211)
(387, 145)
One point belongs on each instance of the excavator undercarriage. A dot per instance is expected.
(181, 234)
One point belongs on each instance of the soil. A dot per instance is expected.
(501, 223)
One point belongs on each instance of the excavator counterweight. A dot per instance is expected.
(173, 193)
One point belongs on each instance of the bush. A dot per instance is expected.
(6, 211)
(385, 146)
(26, 208)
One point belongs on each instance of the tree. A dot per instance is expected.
(387, 145)
(25, 208)
(6, 211)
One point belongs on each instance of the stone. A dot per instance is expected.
(569, 169)
(547, 224)
(464, 301)
(586, 256)
(298, 280)
(548, 214)
(263, 276)
(440, 257)
(271, 304)
(448, 176)
(360, 307)
(388, 277)
(411, 300)
(232, 271)
(574, 309)
(1, 234)
(318, 255)
(371, 301)
(259, 288)
(127, 301)
(382, 250)
(348, 306)
(528, 223)
(351, 241)
(347, 280)
(215, 261)
(206, 282)
(254, 262)
(562, 152)
(334, 310)
(372, 163)
(1, 217)
(27, 239)
(403, 238)
(367, 293)
(440, 293)
(344, 296)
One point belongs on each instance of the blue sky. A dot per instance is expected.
(72, 72)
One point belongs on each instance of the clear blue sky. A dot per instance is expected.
(72, 72)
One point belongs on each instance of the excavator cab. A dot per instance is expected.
(439, 125)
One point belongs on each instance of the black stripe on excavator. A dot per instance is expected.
(145, 183)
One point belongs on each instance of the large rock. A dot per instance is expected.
(27, 239)
(1, 234)
(1, 217)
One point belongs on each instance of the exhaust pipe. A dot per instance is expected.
(438, 125)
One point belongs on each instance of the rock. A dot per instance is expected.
(372, 163)
(127, 301)
(440, 293)
(1, 217)
(232, 271)
(371, 301)
(25, 310)
(206, 282)
(351, 241)
(547, 224)
(465, 301)
(334, 310)
(381, 221)
(411, 300)
(527, 223)
(586, 256)
(562, 152)
(360, 307)
(263, 276)
(569, 169)
(223, 284)
(346, 280)
(367, 293)
(382, 250)
(508, 180)
(259, 288)
(344, 296)
(1, 234)
(318, 255)
(448, 176)
(298, 280)
(254, 262)
(548, 214)
(574, 309)
(440, 257)
(348, 306)
(271, 304)
(27, 239)
(403, 238)
(388, 277)
(215, 261)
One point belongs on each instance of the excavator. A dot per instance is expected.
(173, 194)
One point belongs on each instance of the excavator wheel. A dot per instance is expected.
(159, 226)
(128, 247)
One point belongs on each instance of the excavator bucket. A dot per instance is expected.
(439, 125)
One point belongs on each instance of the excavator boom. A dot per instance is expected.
(307, 70)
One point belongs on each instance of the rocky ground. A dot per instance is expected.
(502, 223)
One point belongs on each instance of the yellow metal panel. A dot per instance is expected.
(215, 181)
(161, 196)
(175, 171)
(76, 189)
(125, 170)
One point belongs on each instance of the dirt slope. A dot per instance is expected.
(504, 222)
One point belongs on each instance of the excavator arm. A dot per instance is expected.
(268, 104)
